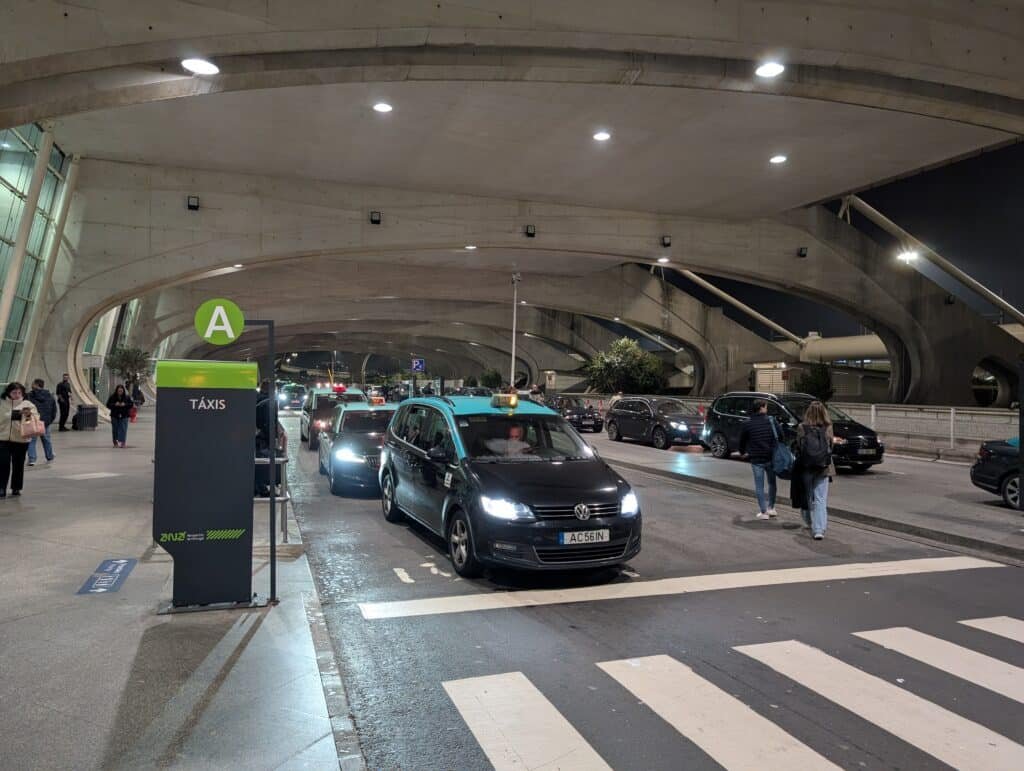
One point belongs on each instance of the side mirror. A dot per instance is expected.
(438, 454)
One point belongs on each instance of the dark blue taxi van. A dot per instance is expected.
(506, 482)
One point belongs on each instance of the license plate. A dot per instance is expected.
(588, 422)
(866, 452)
(584, 536)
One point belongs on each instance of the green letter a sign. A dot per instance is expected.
(219, 321)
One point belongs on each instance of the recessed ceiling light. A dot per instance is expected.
(908, 256)
(663, 260)
(616, 319)
(200, 66)
(470, 247)
(602, 136)
(472, 343)
(522, 302)
(770, 70)
(383, 107)
(238, 265)
(5, 145)
(777, 159)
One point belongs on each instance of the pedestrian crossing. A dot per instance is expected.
(518, 728)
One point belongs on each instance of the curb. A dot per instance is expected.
(859, 517)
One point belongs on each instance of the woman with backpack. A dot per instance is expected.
(814, 440)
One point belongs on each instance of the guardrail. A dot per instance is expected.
(953, 432)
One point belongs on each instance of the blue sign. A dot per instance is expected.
(419, 365)
(108, 576)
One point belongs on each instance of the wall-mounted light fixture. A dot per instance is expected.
(666, 241)
(192, 202)
(530, 231)
(375, 218)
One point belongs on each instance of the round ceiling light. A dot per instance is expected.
(383, 107)
(770, 70)
(602, 136)
(663, 260)
(239, 265)
(200, 66)
(908, 256)
(470, 247)
(777, 159)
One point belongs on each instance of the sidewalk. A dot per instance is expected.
(101, 681)
(933, 500)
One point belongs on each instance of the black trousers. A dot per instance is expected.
(65, 408)
(12, 464)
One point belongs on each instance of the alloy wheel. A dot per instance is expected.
(659, 439)
(1011, 492)
(719, 448)
(459, 543)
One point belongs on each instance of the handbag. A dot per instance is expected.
(782, 456)
(31, 426)
(133, 414)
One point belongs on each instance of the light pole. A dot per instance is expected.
(516, 278)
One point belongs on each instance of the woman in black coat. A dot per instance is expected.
(120, 406)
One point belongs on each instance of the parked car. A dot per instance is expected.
(577, 413)
(291, 396)
(319, 408)
(506, 482)
(997, 469)
(659, 421)
(349, 448)
(858, 447)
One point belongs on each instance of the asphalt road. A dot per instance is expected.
(513, 676)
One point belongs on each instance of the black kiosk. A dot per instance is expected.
(203, 489)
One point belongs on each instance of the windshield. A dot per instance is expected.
(571, 403)
(799, 406)
(674, 407)
(375, 422)
(520, 439)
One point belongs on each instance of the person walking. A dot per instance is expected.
(757, 444)
(64, 401)
(46, 406)
(814, 440)
(120, 406)
(15, 412)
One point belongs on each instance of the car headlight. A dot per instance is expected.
(502, 508)
(346, 455)
(630, 505)
(281, 397)
(678, 425)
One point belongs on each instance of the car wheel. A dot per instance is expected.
(719, 445)
(1011, 491)
(337, 486)
(387, 500)
(860, 468)
(659, 438)
(460, 547)
(613, 432)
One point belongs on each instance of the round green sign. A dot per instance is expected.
(219, 321)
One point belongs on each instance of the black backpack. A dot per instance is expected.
(815, 448)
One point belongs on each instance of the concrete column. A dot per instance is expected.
(24, 228)
(41, 304)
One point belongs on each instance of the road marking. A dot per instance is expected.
(952, 739)
(666, 586)
(517, 727)
(403, 576)
(721, 725)
(977, 668)
(1004, 626)
(92, 475)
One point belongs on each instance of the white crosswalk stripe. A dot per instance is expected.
(1004, 626)
(964, 663)
(721, 725)
(518, 728)
(945, 735)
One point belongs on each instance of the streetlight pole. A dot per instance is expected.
(516, 278)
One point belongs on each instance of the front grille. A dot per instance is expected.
(859, 442)
(373, 461)
(568, 511)
(551, 555)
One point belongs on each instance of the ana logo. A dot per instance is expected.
(202, 403)
(582, 511)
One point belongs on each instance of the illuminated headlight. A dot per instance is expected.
(505, 509)
(281, 397)
(680, 426)
(630, 505)
(346, 455)
(320, 423)
(704, 432)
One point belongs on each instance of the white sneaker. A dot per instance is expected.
(762, 515)
(773, 513)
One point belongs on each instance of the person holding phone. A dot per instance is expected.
(15, 412)
(120, 406)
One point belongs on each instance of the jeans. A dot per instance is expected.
(816, 517)
(119, 428)
(762, 470)
(47, 446)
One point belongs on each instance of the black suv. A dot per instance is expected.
(997, 470)
(578, 414)
(858, 447)
(660, 421)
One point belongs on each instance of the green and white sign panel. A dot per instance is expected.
(219, 321)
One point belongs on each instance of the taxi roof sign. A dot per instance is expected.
(505, 401)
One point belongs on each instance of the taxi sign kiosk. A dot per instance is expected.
(202, 501)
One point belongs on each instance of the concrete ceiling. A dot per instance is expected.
(686, 151)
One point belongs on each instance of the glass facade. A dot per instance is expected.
(19, 148)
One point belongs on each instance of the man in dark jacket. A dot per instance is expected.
(47, 406)
(64, 400)
(757, 443)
